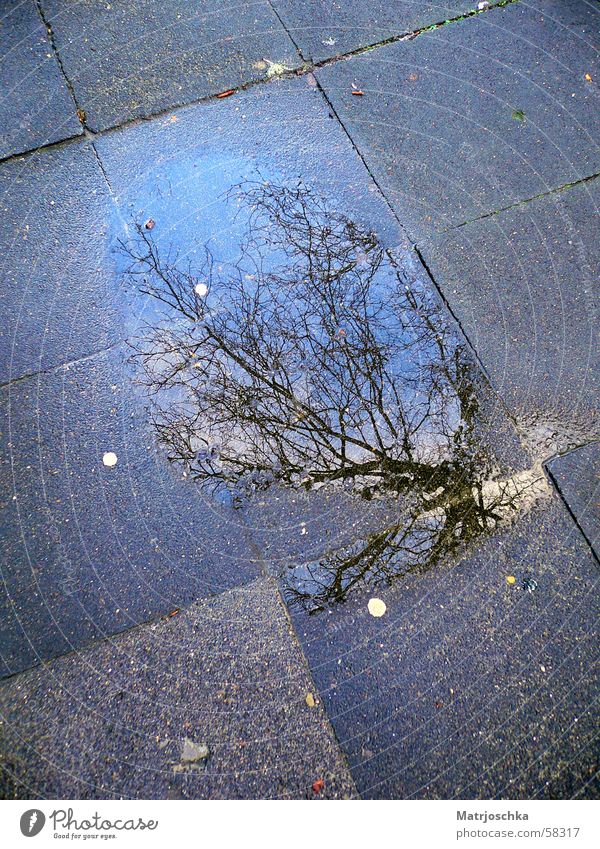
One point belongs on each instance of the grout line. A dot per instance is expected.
(67, 364)
(48, 27)
(518, 203)
(570, 511)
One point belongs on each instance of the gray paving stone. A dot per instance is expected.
(89, 550)
(470, 686)
(523, 286)
(129, 61)
(577, 475)
(477, 115)
(36, 107)
(178, 169)
(59, 294)
(112, 721)
(324, 30)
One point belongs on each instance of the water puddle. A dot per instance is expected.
(306, 362)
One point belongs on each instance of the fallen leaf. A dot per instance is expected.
(413, 77)
(310, 700)
(227, 93)
(318, 785)
(510, 579)
(81, 115)
(174, 612)
(588, 77)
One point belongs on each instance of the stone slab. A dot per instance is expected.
(225, 675)
(477, 115)
(59, 295)
(36, 107)
(89, 550)
(325, 30)
(523, 286)
(577, 475)
(128, 62)
(470, 686)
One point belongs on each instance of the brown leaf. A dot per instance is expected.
(318, 785)
(358, 93)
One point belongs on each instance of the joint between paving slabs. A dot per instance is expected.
(564, 188)
(556, 485)
(48, 27)
(65, 365)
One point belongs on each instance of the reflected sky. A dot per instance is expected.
(301, 359)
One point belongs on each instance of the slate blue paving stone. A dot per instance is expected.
(59, 293)
(469, 686)
(477, 115)
(36, 107)
(577, 475)
(324, 30)
(131, 60)
(90, 550)
(523, 286)
(225, 675)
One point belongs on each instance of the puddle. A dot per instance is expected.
(306, 362)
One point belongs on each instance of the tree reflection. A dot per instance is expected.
(308, 362)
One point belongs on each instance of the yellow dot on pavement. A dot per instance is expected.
(376, 607)
(510, 579)
(109, 459)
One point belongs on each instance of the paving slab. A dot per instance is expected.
(128, 62)
(102, 549)
(577, 475)
(90, 549)
(523, 286)
(480, 679)
(59, 293)
(36, 106)
(326, 30)
(208, 704)
(478, 114)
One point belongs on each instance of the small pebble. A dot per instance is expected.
(376, 607)
(109, 458)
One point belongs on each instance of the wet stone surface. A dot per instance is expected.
(451, 136)
(325, 30)
(128, 61)
(210, 703)
(309, 365)
(36, 107)
(577, 475)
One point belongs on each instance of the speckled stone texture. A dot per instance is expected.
(112, 721)
(577, 476)
(36, 107)
(129, 60)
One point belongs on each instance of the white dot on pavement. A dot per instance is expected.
(109, 458)
(201, 289)
(376, 607)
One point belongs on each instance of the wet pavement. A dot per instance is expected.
(240, 404)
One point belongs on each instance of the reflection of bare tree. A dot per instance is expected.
(308, 362)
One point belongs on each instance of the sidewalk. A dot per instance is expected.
(150, 643)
